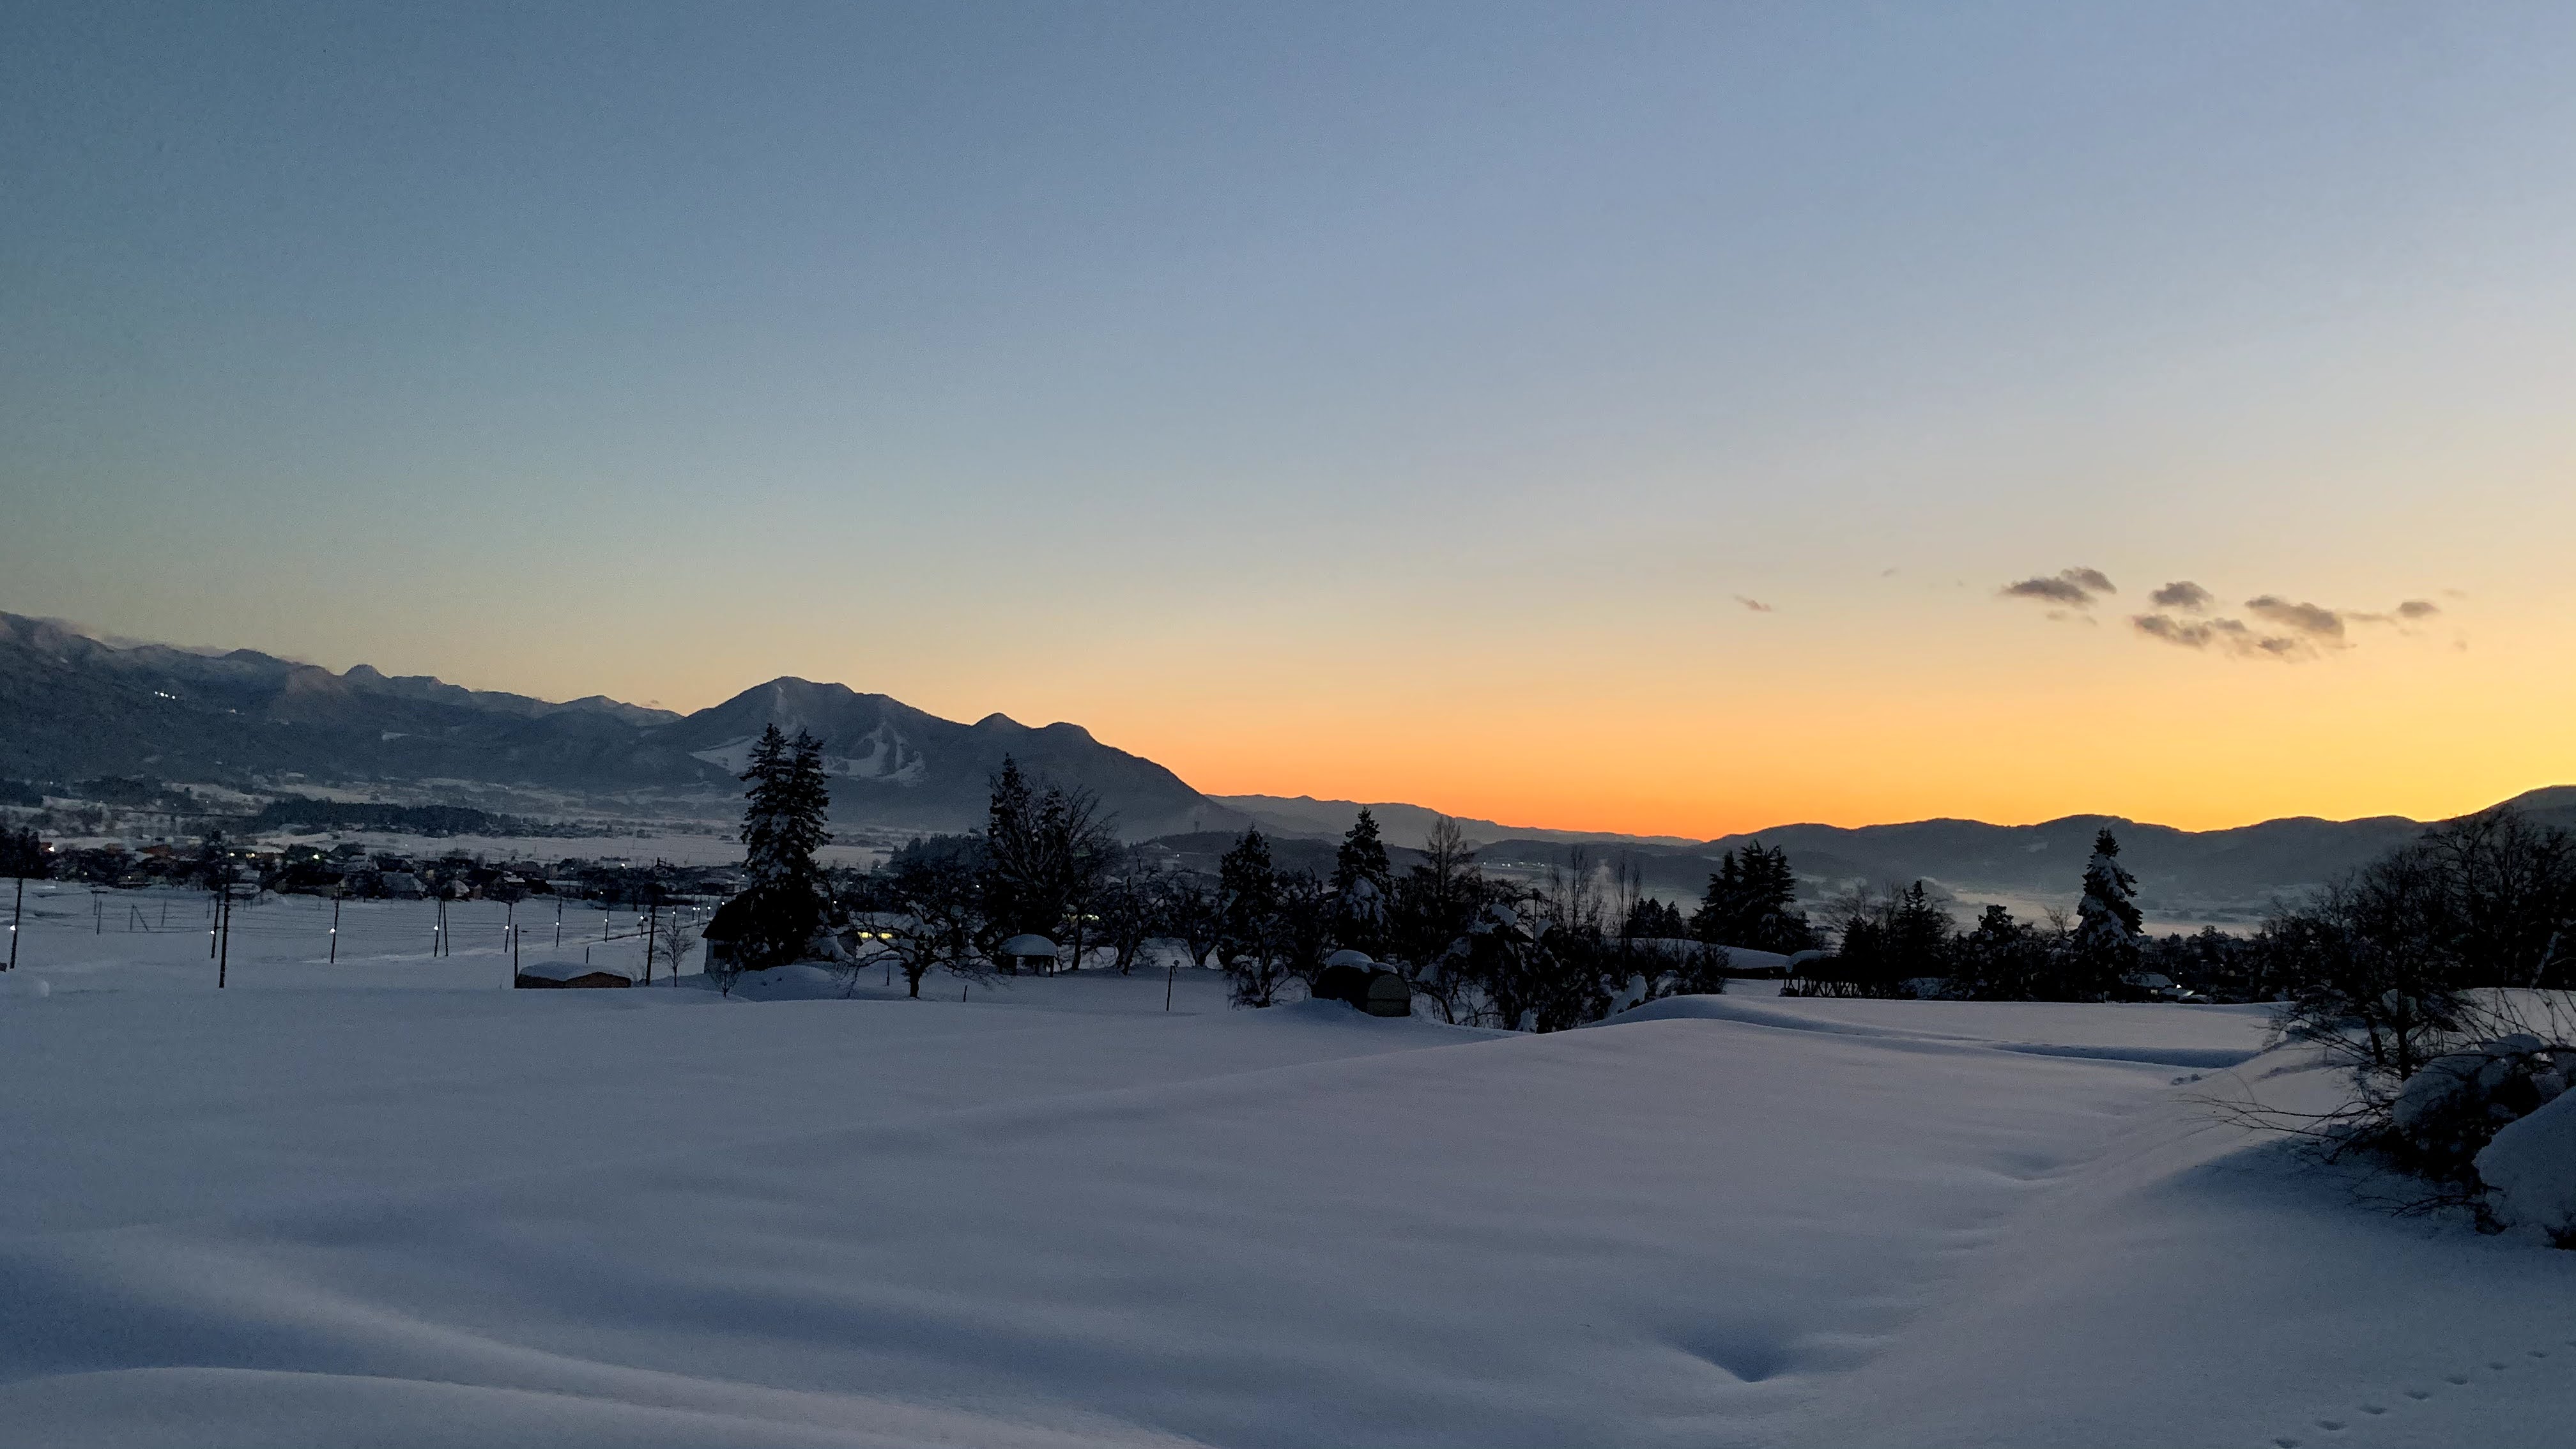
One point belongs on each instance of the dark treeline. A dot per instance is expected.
(1904, 943)
(2482, 902)
(1581, 942)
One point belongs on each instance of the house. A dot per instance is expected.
(402, 885)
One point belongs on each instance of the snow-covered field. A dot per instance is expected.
(389, 1202)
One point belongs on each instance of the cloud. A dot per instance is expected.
(2308, 619)
(2297, 631)
(2074, 588)
(1756, 605)
(2194, 633)
(2185, 595)
(2226, 636)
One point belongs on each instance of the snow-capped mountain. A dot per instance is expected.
(73, 707)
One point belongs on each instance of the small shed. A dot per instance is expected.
(1363, 984)
(567, 971)
(1388, 995)
(1035, 952)
(1343, 979)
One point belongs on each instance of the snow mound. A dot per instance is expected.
(2530, 1170)
(24, 987)
(2153, 1034)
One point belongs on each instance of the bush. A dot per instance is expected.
(2447, 1113)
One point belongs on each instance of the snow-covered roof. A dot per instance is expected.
(1028, 945)
(565, 968)
(1348, 957)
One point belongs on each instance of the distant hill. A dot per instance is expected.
(76, 709)
(1306, 815)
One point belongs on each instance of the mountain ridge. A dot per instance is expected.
(73, 706)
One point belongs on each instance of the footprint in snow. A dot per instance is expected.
(2336, 1426)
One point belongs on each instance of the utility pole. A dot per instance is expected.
(97, 912)
(558, 918)
(336, 892)
(17, 913)
(224, 935)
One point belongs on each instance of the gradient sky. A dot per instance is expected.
(1391, 402)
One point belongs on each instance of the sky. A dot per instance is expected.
(1674, 419)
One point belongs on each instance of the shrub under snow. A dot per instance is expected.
(2530, 1171)
(2455, 1105)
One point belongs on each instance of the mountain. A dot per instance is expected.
(75, 708)
(892, 764)
(72, 707)
(2215, 874)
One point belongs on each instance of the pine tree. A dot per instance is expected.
(1751, 902)
(1251, 938)
(2107, 922)
(783, 819)
(1011, 866)
(1363, 886)
(1721, 906)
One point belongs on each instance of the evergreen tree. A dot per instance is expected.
(1751, 902)
(1010, 885)
(1721, 905)
(2001, 960)
(1250, 941)
(2105, 947)
(784, 812)
(1363, 887)
(1654, 920)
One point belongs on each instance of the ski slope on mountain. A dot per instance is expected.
(389, 1202)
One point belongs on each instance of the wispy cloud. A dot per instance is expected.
(2194, 633)
(2286, 630)
(2074, 588)
(1756, 605)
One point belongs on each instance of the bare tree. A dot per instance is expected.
(1194, 912)
(1131, 907)
(942, 922)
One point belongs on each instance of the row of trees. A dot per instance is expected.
(1905, 943)
(1047, 862)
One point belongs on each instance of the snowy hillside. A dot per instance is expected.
(389, 1202)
